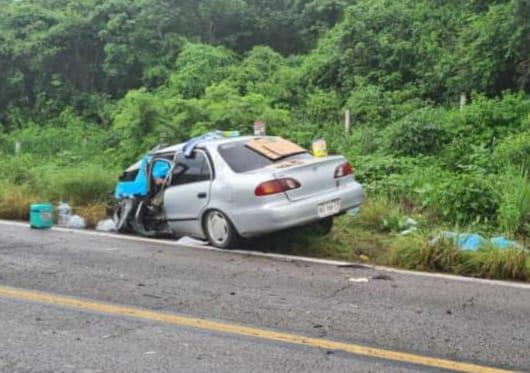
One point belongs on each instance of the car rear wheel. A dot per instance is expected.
(324, 227)
(220, 231)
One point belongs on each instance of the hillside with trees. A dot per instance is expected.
(437, 90)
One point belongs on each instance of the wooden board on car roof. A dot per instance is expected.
(274, 148)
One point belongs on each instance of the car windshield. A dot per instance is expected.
(242, 159)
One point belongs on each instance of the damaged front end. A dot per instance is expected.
(139, 197)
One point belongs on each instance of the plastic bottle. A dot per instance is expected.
(64, 214)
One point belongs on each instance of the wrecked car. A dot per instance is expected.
(224, 189)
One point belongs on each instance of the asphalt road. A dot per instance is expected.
(481, 324)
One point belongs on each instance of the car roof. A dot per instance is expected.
(207, 143)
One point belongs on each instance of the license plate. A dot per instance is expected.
(329, 208)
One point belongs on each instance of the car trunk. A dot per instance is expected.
(315, 175)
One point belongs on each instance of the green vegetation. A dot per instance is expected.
(87, 86)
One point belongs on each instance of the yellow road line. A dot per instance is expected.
(116, 310)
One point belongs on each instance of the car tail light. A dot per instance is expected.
(276, 186)
(344, 169)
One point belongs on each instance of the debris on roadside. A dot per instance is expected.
(353, 265)
(360, 280)
(64, 214)
(76, 222)
(382, 277)
(41, 216)
(107, 225)
(474, 241)
(410, 226)
(364, 280)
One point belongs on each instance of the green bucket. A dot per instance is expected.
(41, 216)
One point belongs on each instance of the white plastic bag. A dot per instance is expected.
(106, 226)
(76, 222)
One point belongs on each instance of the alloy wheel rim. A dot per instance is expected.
(218, 227)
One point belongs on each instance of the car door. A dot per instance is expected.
(188, 193)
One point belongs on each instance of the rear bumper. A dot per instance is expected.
(283, 214)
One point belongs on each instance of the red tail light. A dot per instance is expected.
(276, 186)
(344, 169)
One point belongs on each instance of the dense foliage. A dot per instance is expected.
(98, 82)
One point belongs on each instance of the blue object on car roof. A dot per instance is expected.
(190, 145)
(139, 187)
(474, 241)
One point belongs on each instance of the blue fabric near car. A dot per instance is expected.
(474, 242)
(190, 146)
(160, 169)
(139, 187)
(503, 243)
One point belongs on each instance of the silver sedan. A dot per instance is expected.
(224, 190)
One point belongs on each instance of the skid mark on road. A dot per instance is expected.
(220, 327)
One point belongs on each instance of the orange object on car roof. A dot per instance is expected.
(275, 148)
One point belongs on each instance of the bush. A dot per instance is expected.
(82, 185)
(514, 209)
(491, 262)
(92, 213)
(464, 198)
(514, 150)
(418, 133)
(380, 215)
(461, 156)
(415, 252)
(17, 169)
(485, 120)
(15, 201)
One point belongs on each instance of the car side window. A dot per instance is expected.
(191, 170)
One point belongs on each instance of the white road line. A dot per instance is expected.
(280, 257)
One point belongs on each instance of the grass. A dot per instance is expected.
(92, 213)
(86, 185)
(87, 188)
(514, 212)
(372, 236)
(418, 253)
(15, 201)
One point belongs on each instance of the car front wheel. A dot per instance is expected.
(220, 231)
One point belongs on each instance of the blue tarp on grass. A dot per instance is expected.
(474, 242)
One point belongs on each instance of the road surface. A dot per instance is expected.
(84, 303)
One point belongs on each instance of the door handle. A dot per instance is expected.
(202, 195)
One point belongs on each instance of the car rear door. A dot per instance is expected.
(188, 193)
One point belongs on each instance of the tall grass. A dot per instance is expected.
(86, 187)
(514, 210)
(418, 253)
(491, 262)
(15, 201)
(83, 185)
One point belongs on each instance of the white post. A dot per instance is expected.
(463, 101)
(18, 146)
(347, 121)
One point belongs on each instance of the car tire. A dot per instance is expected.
(324, 226)
(220, 231)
